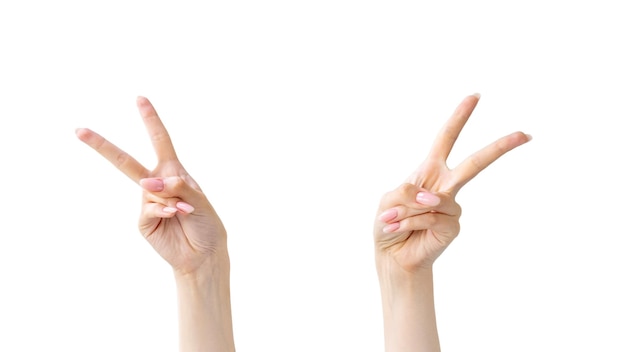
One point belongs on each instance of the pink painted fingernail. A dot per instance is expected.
(152, 184)
(170, 210)
(185, 207)
(427, 199)
(388, 215)
(391, 227)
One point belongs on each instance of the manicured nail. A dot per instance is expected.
(391, 227)
(185, 207)
(388, 215)
(82, 133)
(529, 137)
(143, 104)
(427, 199)
(170, 210)
(152, 184)
(477, 95)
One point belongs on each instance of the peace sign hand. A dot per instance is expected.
(176, 218)
(417, 221)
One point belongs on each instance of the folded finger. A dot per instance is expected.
(401, 212)
(408, 193)
(409, 200)
(437, 222)
(173, 187)
(157, 210)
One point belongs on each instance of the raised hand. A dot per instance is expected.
(176, 218)
(419, 219)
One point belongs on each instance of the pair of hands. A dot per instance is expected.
(414, 223)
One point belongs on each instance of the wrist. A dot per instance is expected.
(408, 306)
(388, 268)
(207, 286)
(214, 266)
(205, 319)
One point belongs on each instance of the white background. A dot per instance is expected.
(295, 117)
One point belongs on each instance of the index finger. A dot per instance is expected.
(124, 162)
(450, 132)
(161, 141)
(478, 161)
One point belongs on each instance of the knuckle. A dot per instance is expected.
(476, 162)
(386, 196)
(175, 184)
(457, 228)
(97, 143)
(160, 137)
(387, 199)
(430, 220)
(121, 159)
(398, 195)
(406, 190)
(503, 145)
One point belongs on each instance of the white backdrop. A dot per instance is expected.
(295, 117)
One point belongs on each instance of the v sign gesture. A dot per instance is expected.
(420, 218)
(177, 219)
(182, 226)
(416, 222)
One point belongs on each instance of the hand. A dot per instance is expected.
(417, 221)
(176, 218)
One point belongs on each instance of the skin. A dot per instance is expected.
(415, 223)
(179, 222)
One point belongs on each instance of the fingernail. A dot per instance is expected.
(170, 210)
(80, 133)
(529, 137)
(388, 215)
(185, 207)
(152, 184)
(477, 95)
(427, 199)
(144, 104)
(391, 227)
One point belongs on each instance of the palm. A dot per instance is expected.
(184, 240)
(424, 246)
(181, 242)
